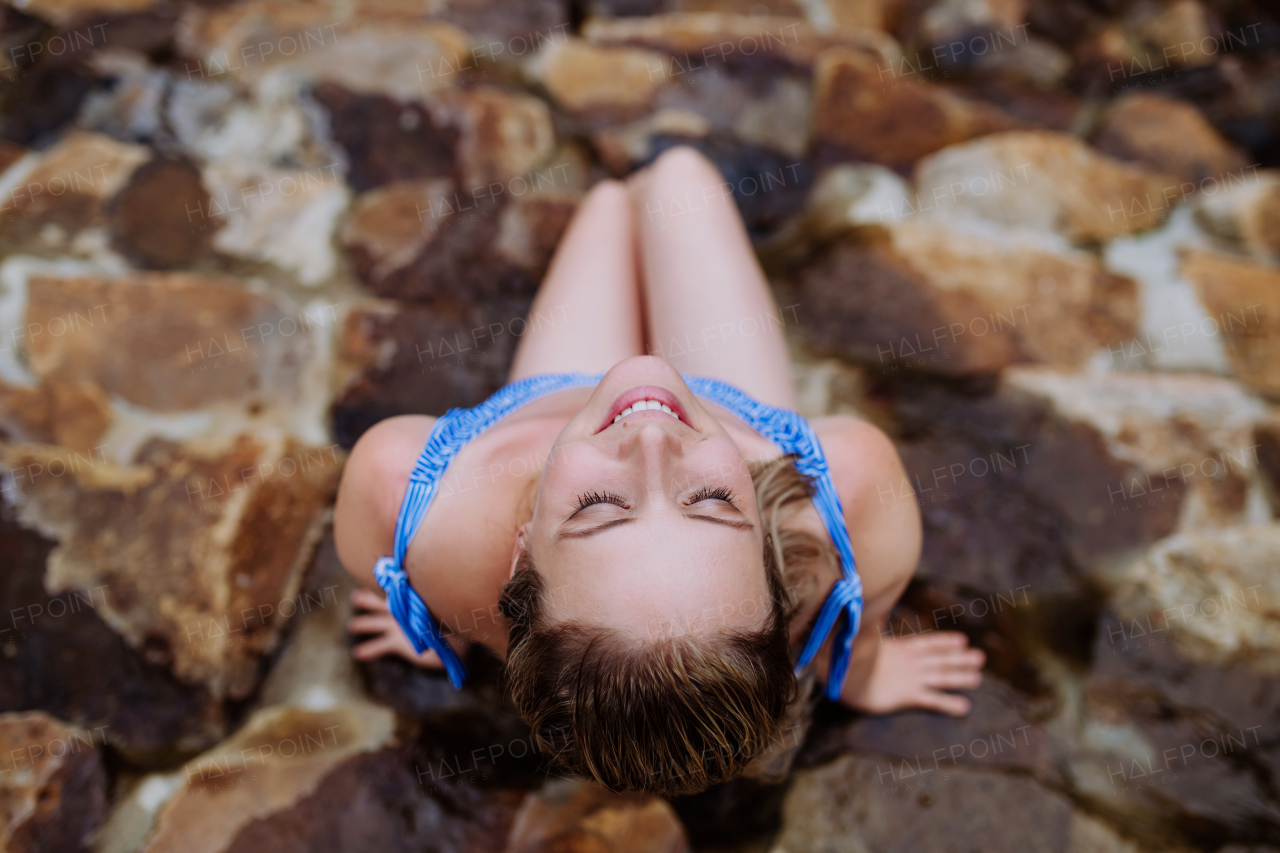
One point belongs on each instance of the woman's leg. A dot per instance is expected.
(587, 315)
(709, 308)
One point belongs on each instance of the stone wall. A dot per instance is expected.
(1036, 241)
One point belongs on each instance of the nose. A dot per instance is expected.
(655, 449)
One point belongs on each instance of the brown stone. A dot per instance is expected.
(581, 817)
(1183, 682)
(73, 415)
(423, 360)
(197, 556)
(52, 784)
(61, 657)
(474, 246)
(860, 802)
(386, 140)
(159, 219)
(584, 78)
(926, 297)
(10, 154)
(861, 114)
(1003, 731)
(65, 190)
(1049, 476)
(200, 340)
(1047, 182)
(1244, 297)
(1170, 137)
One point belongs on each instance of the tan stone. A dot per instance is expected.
(61, 191)
(1228, 579)
(1174, 31)
(388, 224)
(1246, 212)
(1171, 137)
(167, 341)
(284, 217)
(1189, 437)
(63, 12)
(401, 57)
(52, 785)
(928, 297)
(276, 761)
(73, 415)
(1244, 299)
(581, 816)
(198, 554)
(698, 39)
(502, 136)
(622, 147)
(860, 111)
(582, 77)
(1047, 182)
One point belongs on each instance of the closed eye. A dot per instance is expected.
(593, 497)
(709, 493)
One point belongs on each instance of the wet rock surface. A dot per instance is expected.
(1035, 242)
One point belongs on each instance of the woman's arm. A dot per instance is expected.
(364, 524)
(880, 510)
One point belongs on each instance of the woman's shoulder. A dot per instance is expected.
(373, 484)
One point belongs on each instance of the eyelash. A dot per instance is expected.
(590, 498)
(720, 493)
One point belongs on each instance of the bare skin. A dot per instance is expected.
(652, 277)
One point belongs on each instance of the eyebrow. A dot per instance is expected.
(737, 524)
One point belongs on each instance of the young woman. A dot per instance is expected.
(639, 524)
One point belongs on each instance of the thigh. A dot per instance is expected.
(709, 310)
(587, 315)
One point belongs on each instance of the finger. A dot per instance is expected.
(947, 703)
(374, 648)
(956, 679)
(940, 640)
(378, 623)
(951, 660)
(368, 600)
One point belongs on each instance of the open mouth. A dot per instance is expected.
(643, 399)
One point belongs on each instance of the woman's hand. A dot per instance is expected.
(918, 672)
(388, 637)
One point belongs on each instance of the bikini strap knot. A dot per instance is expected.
(410, 611)
(845, 598)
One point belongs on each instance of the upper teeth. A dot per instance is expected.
(644, 405)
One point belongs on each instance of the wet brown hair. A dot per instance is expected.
(674, 715)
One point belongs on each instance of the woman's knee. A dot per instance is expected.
(685, 164)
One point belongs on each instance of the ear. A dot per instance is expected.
(521, 543)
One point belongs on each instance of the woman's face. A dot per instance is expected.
(645, 522)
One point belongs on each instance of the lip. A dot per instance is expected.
(644, 392)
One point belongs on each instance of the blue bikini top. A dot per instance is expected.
(785, 428)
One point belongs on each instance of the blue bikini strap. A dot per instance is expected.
(451, 432)
(793, 435)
